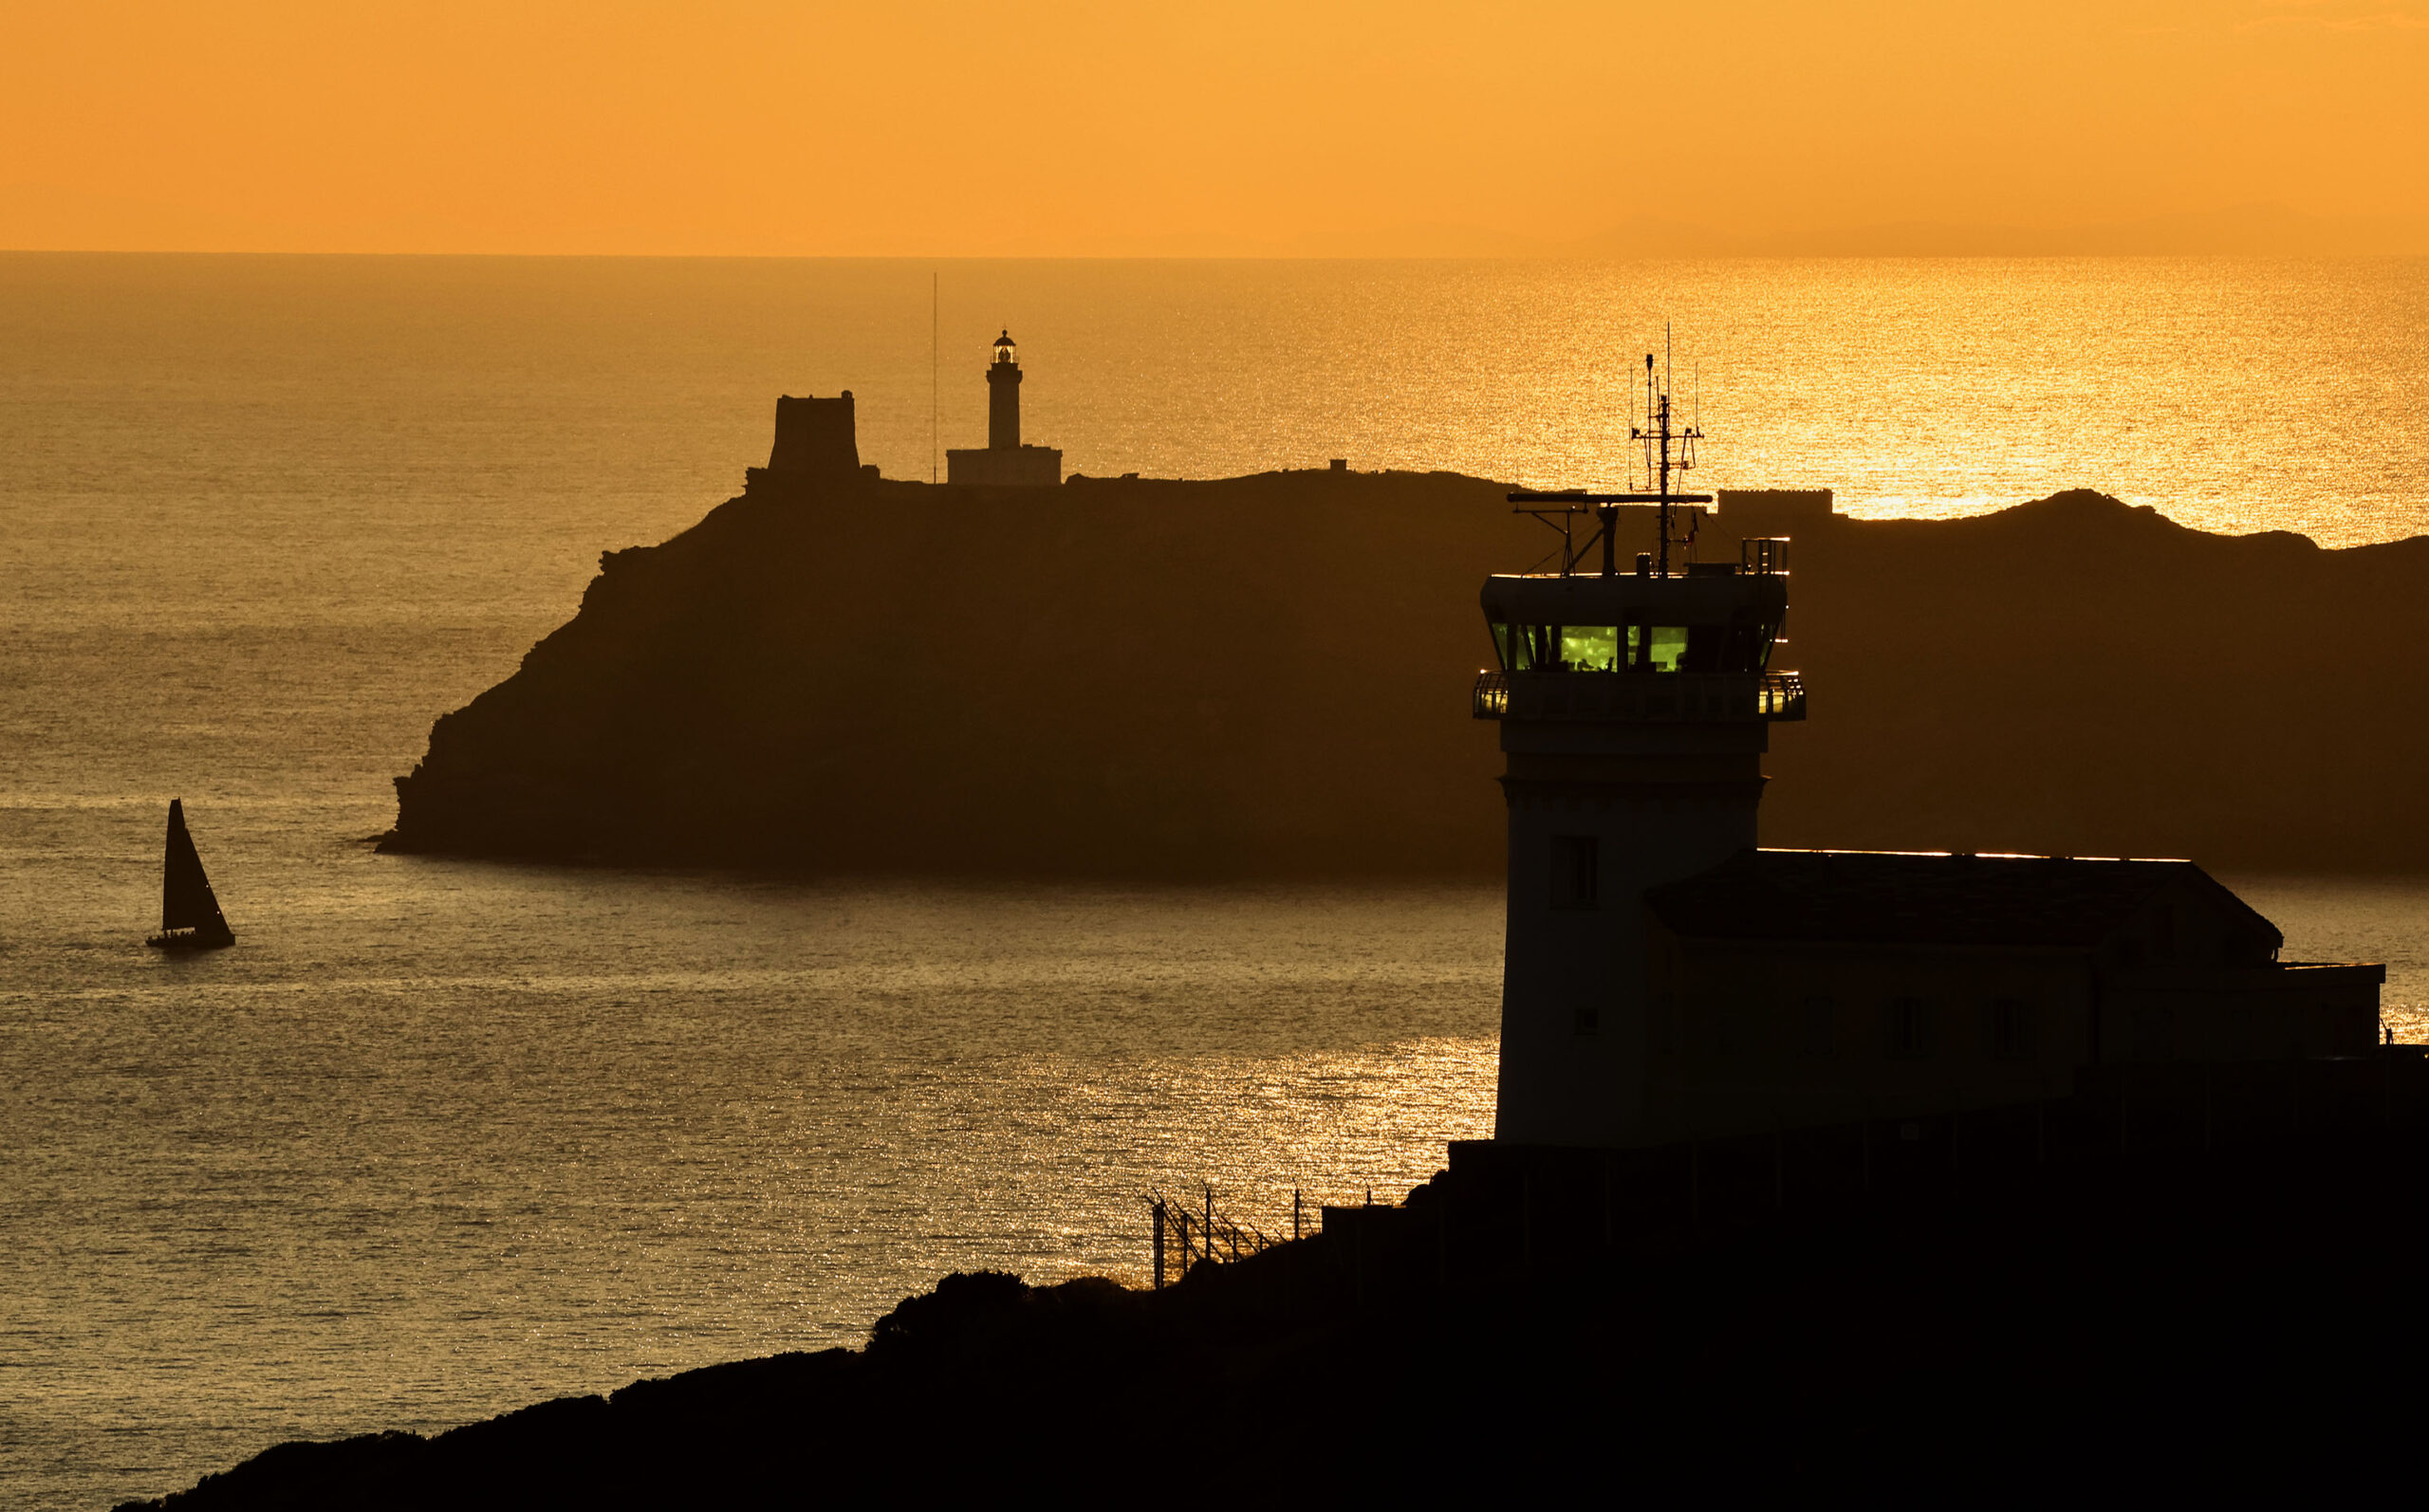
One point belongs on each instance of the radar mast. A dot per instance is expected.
(1669, 452)
(1667, 449)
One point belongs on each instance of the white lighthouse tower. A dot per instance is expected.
(1635, 707)
(1005, 461)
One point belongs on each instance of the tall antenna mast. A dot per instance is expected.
(936, 286)
(1667, 449)
(1669, 452)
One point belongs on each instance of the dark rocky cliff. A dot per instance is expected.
(1268, 676)
(2179, 1319)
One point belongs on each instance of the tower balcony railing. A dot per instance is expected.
(1652, 696)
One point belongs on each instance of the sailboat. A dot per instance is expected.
(190, 918)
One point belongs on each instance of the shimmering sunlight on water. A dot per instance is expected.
(441, 1138)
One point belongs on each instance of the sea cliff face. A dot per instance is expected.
(1268, 677)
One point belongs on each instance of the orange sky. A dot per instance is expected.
(1029, 127)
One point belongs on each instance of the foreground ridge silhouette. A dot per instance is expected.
(1146, 679)
(2131, 1294)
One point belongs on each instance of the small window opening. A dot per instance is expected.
(1575, 868)
(1666, 646)
(1588, 1023)
(2012, 1029)
(1906, 1030)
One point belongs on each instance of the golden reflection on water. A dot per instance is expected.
(443, 1138)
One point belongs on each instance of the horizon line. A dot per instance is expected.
(1764, 255)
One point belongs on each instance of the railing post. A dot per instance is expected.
(2124, 1109)
(1160, 1244)
(1443, 1256)
(2206, 1140)
(1694, 1187)
(1608, 1230)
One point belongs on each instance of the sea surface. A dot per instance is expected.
(440, 1138)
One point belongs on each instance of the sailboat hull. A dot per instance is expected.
(190, 940)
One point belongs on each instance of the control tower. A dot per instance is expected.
(1635, 705)
(1004, 462)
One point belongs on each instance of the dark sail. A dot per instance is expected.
(186, 899)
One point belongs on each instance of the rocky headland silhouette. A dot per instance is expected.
(1266, 677)
(2182, 1317)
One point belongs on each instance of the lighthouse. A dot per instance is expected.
(1004, 462)
(1634, 703)
(1004, 397)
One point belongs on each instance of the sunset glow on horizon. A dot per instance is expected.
(745, 127)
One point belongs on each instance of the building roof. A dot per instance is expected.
(1883, 898)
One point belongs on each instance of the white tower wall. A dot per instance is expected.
(1658, 803)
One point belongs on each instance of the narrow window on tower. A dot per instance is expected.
(1538, 648)
(1669, 647)
(1575, 866)
(1904, 1029)
(1821, 1026)
(1510, 643)
(1588, 1023)
(2012, 1029)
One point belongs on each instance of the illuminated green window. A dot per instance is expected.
(1589, 647)
(1669, 647)
(1522, 647)
(1552, 648)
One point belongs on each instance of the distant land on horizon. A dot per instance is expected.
(1268, 677)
